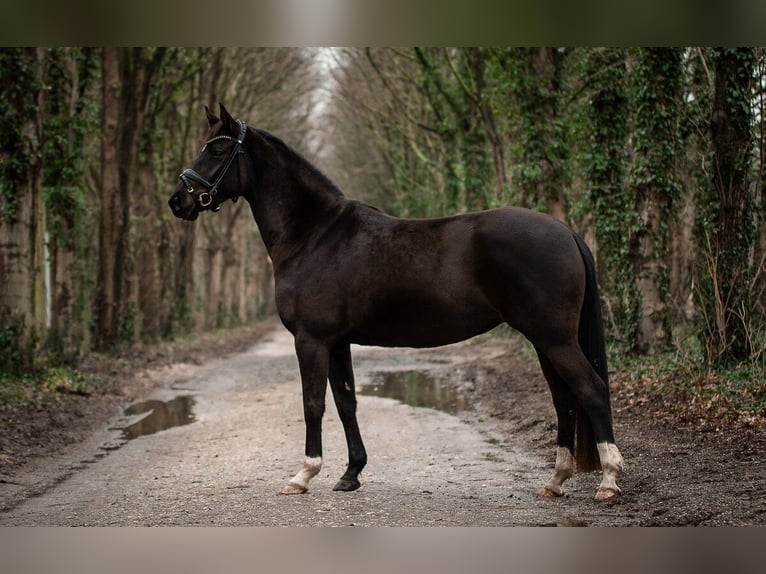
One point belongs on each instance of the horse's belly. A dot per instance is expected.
(423, 326)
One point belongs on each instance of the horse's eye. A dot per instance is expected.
(217, 152)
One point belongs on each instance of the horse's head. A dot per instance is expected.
(215, 176)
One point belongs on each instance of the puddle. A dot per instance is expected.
(566, 522)
(162, 415)
(415, 388)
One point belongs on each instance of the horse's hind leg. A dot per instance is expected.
(590, 392)
(342, 385)
(564, 403)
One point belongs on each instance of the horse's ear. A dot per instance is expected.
(229, 122)
(211, 119)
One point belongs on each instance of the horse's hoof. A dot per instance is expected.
(347, 484)
(293, 488)
(607, 493)
(550, 493)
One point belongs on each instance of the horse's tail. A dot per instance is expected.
(591, 338)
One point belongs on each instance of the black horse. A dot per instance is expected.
(347, 273)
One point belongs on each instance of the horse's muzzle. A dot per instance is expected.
(182, 205)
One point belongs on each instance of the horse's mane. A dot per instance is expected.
(311, 170)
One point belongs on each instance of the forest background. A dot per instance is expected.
(656, 156)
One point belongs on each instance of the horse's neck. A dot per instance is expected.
(290, 206)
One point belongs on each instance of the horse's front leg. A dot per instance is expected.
(313, 359)
(342, 384)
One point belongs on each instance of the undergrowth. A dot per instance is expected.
(51, 377)
(42, 385)
(683, 385)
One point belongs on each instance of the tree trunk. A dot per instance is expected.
(23, 261)
(129, 76)
(647, 252)
(543, 153)
(70, 237)
(546, 65)
(112, 220)
(657, 90)
(730, 240)
(148, 224)
(610, 196)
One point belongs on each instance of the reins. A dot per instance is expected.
(205, 198)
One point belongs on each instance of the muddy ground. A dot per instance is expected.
(678, 471)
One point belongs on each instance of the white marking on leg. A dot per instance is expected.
(300, 482)
(563, 470)
(612, 464)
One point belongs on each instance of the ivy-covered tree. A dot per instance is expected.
(71, 117)
(657, 82)
(454, 86)
(540, 146)
(726, 230)
(605, 157)
(23, 312)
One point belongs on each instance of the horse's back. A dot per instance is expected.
(434, 281)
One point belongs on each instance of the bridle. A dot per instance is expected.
(205, 199)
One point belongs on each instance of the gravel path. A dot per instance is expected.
(426, 467)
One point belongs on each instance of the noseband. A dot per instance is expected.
(205, 199)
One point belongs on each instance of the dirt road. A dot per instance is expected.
(477, 459)
(246, 439)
